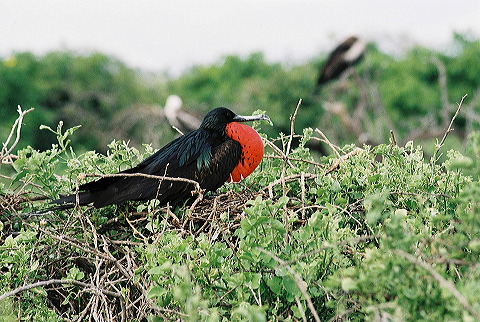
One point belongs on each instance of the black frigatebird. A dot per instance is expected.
(220, 149)
(347, 54)
(179, 118)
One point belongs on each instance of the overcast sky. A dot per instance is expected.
(174, 35)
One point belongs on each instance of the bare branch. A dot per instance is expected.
(278, 151)
(292, 127)
(392, 137)
(287, 179)
(451, 123)
(327, 141)
(343, 158)
(17, 126)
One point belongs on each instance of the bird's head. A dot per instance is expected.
(218, 118)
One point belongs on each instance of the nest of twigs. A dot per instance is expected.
(110, 288)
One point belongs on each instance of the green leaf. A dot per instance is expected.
(261, 220)
(253, 279)
(245, 224)
(156, 291)
(19, 175)
(290, 286)
(278, 226)
(166, 266)
(247, 256)
(275, 284)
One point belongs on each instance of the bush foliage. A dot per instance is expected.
(363, 234)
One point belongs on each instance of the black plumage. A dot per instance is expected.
(206, 155)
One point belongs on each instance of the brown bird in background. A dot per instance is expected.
(345, 55)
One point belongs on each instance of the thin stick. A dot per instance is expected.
(177, 129)
(343, 158)
(292, 127)
(287, 179)
(392, 136)
(449, 129)
(278, 151)
(327, 141)
(300, 308)
(302, 185)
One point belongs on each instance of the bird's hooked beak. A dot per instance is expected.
(240, 118)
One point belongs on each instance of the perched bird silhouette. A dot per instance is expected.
(179, 118)
(220, 149)
(347, 54)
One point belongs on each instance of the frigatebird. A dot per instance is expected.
(177, 117)
(347, 54)
(220, 149)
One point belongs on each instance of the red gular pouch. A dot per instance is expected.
(252, 149)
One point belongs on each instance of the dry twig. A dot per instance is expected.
(449, 129)
(292, 127)
(343, 158)
(16, 128)
(327, 141)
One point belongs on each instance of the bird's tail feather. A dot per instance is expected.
(67, 202)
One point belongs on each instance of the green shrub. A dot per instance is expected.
(376, 234)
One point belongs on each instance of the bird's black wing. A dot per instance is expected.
(201, 155)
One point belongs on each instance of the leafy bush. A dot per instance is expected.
(363, 234)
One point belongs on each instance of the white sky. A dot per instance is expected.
(174, 35)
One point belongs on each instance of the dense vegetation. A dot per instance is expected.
(385, 231)
(414, 95)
